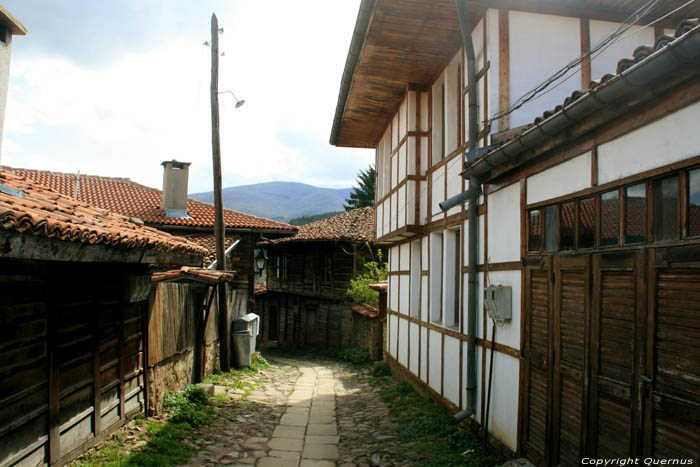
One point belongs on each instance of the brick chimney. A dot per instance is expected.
(175, 175)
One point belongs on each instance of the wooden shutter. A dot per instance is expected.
(572, 299)
(614, 401)
(537, 356)
(673, 403)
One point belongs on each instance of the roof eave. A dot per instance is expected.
(27, 246)
(12, 23)
(359, 36)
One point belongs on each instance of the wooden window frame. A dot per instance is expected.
(682, 227)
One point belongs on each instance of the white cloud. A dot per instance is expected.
(123, 119)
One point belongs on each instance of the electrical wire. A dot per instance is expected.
(605, 42)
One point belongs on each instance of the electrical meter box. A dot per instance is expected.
(498, 302)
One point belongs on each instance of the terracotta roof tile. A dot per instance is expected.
(44, 212)
(365, 310)
(352, 226)
(132, 199)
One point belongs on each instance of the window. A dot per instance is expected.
(694, 203)
(436, 277)
(452, 275)
(535, 243)
(622, 216)
(326, 267)
(666, 208)
(567, 240)
(551, 238)
(587, 218)
(281, 266)
(610, 218)
(636, 213)
(309, 268)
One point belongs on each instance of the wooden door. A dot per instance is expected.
(571, 324)
(617, 344)
(672, 376)
(535, 424)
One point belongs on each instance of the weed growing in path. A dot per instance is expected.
(430, 433)
(164, 441)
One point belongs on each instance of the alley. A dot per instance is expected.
(298, 413)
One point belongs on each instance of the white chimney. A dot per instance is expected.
(174, 201)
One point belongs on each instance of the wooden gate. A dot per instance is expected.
(611, 355)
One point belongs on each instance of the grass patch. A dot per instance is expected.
(430, 432)
(187, 409)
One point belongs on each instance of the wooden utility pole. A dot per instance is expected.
(224, 338)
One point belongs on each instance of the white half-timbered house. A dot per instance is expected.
(587, 210)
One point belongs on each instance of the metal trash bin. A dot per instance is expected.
(244, 333)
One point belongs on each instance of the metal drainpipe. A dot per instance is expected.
(473, 217)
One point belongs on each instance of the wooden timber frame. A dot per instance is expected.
(71, 357)
(549, 276)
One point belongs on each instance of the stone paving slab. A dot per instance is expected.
(318, 463)
(320, 451)
(324, 429)
(286, 431)
(286, 444)
(294, 420)
(277, 462)
(317, 439)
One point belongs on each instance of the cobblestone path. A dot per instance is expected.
(299, 413)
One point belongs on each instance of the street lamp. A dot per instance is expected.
(239, 102)
(260, 259)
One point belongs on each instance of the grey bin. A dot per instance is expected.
(244, 332)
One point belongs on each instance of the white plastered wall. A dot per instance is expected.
(670, 139)
(435, 353)
(504, 398)
(504, 224)
(533, 59)
(451, 370)
(567, 177)
(415, 349)
(403, 342)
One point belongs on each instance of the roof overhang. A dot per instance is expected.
(15, 27)
(400, 42)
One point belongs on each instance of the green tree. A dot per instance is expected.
(362, 195)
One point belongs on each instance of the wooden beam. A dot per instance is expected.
(54, 387)
(96, 371)
(585, 27)
(503, 68)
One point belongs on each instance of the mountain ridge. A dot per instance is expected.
(280, 201)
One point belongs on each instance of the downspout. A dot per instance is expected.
(474, 192)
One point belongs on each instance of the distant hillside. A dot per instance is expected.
(280, 200)
(316, 217)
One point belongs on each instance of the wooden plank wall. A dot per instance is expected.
(300, 282)
(71, 358)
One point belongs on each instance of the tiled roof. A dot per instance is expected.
(208, 241)
(365, 310)
(352, 226)
(135, 200)
(46, 213)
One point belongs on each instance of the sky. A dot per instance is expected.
(114, 88)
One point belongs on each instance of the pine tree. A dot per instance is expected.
(362, 195)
